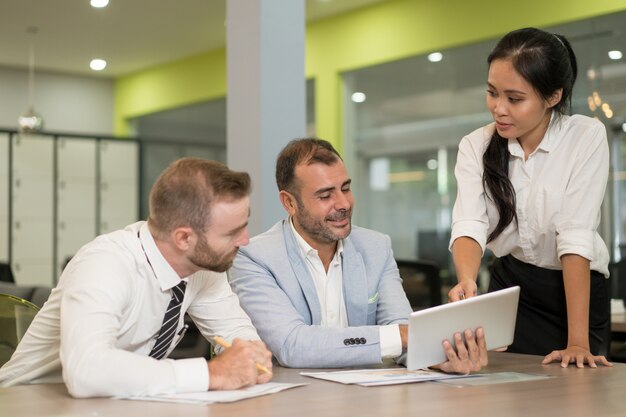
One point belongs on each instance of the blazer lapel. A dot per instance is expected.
(302, 274)
(354, 284)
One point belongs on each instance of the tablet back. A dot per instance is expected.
(495, 312)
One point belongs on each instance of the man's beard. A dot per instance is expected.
(205, 257)
(319, 230)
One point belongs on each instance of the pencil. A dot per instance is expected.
(223, 343)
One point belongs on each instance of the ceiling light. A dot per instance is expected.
(596, 98)
(615, 55)
(99, 3)
(624, 127)
(435, 57)
(358, 97)
(98, 64)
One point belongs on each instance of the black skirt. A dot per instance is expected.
(541, 325)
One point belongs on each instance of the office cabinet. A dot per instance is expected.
(76, 197)
(32, 209)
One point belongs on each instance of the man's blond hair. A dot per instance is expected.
(183, 193)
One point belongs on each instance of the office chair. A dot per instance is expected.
(37, 295)
(16, 314)
(6, 273)
(421, 282)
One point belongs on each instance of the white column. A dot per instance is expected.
(265, 96)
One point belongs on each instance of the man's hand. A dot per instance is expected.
(236, 367)
(470, 356)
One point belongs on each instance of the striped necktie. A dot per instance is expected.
(170, 322)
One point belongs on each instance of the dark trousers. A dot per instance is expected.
(541, 325)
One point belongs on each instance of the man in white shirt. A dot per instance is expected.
(101, 322)
(321, 292)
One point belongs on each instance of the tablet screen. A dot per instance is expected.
(495, 312)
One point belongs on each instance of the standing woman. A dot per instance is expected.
(530, 187)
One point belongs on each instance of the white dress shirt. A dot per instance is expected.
(329, 287)
(102, 319)
(559, 190)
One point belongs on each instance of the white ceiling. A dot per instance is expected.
(130, 34)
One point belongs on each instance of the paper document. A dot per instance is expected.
(373, 377)
(210, 397)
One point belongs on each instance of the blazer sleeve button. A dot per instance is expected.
(346, 342)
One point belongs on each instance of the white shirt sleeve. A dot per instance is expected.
(192, 375)
(579, 216)
(390, 341)
(469, 215)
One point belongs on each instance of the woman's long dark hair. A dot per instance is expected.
(548, 63)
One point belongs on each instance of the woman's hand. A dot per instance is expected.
(578, 355)
(464, 289)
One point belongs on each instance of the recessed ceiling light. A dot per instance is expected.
(435, 57)
(624, 127)
(358, 97)
(99, 3)
(615, 55)
(98, 64)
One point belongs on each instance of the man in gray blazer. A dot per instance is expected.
(321, 292)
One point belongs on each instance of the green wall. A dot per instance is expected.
(188, 81)
(380, 33)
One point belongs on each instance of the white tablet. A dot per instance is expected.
(495, 312)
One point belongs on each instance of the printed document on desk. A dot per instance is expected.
(374, 377)
(210, 397)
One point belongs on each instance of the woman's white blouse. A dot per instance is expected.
(559, 190)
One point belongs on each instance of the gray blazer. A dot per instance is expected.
(276, 290)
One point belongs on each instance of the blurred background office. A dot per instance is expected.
(394, 84)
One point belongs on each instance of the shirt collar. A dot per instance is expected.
(307, 249)
(165, 274)
(548, 142)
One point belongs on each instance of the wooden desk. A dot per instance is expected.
(571, 392)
